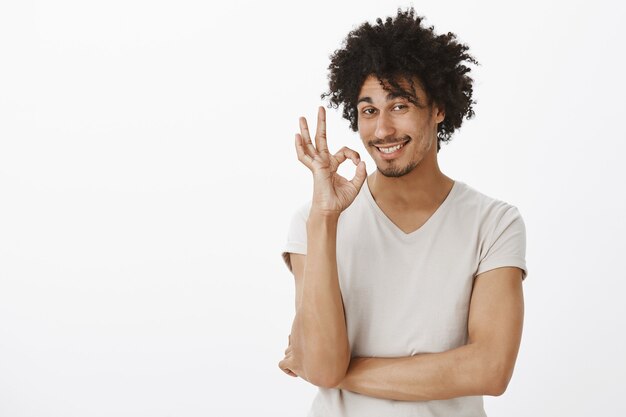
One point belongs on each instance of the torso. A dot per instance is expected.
(406, 294)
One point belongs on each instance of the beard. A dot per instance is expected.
(394, 172)
(391, 170)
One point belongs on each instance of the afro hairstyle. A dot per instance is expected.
(401, 48)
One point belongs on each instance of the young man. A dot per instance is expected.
(408, 283)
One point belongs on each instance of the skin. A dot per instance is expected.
(408, 189)
(320, 352)
(408, 199)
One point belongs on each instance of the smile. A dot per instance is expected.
(391, 151)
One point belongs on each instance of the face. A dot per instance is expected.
(396, 132)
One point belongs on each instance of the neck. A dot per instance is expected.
(423, 186)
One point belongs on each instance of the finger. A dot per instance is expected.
(304, 131)
(289, 372)
(345, 153)
(284, 366)
(359, 176)
(320, 131)
(303, 157)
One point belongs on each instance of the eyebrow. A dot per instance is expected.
(390, 96)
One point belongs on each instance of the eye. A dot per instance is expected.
(400, 107)
(368, 111)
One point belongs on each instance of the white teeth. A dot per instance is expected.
(391, 149)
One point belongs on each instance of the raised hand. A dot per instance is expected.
(332, 193)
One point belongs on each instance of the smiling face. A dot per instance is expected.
(397, 132)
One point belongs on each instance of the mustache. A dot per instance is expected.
(389, 141)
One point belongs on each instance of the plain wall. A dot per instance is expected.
(148, 175)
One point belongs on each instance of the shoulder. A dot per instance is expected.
(485, 216)
(302, 210)
(296, 234)
(499, 229)
(297, 224)
(483, 207)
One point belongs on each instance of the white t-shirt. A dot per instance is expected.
(406, 294)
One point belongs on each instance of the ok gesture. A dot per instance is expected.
(332, 193)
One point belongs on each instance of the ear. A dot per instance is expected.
(440, 113)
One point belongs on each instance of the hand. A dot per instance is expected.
(332, 193)
(289, 364)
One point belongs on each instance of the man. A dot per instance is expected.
(408, 283)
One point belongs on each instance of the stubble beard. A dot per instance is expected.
(395, 172)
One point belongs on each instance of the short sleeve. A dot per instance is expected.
(296, 236)
(506, 245)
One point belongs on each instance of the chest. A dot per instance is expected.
(406, 220)
(404, 295)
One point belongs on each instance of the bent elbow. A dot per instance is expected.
(326, 380)
(496, 388)
(498, 380)
(327, 376)
(323, 364)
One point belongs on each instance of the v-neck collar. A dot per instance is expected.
(433, 218)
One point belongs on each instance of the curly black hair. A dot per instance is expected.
(397, 49)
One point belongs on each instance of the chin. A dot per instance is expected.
(395, 172)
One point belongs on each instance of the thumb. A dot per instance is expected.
(359, 175)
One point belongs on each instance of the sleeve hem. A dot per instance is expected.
(499, 263)
(292, 247)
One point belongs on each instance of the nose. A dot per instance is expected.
(384, 126)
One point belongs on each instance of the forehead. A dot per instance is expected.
(373, 89)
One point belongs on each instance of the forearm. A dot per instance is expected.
(319, 328)
(459, 372)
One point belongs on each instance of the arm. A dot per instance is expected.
(482, 367)
(318, 335)
(319, 350)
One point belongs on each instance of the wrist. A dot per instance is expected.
(320, 217)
